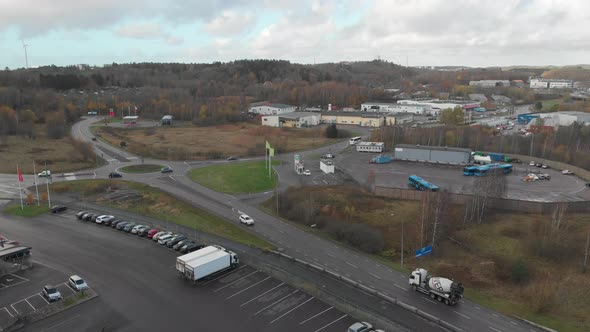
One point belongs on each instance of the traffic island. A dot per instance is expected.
(19, 321)
(141, 168)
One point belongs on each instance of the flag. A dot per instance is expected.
(267, 145)
(20, 175)
(271, 152)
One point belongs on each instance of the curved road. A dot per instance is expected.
(293, 241)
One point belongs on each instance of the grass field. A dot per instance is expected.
(158, 204)
(143, 168)
(547, 104)
(27, 211)
(59, 154)
(237, 177)
(555, 293)
(214, 142)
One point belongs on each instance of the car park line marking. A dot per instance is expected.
(7, 311)
(22, 278)
(352, 265)
(43, 297)
(245, 289)
(460, 314)
(223, 275)
(286, 313)
(374, 275)
(316, 315)
(29, 303)
(494, 329)
(233, 282)
(58, 324)
(275, 302)
(243, 304)
(12, 305)
(323, 327)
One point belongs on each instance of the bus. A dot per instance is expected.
(484, 169)
(354, 140)
(421, 184)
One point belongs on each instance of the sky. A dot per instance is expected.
(472, 33)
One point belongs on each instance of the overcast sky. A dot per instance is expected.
(421, 32)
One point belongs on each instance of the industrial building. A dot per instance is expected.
(478, 97)
(397, 108)
(356, 118)
(292, 120)
(545, 83)
(438, 105)
(268, 108)
(327, 166)
(370, 147)
(557, 119)
(432, 154)
(490, 83)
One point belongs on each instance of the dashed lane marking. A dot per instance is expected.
(460, 314)
(494, 329)
(400, 287)
(352, 265)
(316, 315)
(286, 313)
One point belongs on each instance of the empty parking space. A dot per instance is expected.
(23, 307)
(37, 301)
(65, 290)
(10, 280)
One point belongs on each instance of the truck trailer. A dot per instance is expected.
(381, 159)
(441, 289)
(181, 261)
(210, 263)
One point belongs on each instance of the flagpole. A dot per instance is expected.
(36, 187)
(20, 192)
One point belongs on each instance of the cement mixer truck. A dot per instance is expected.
(440, 289)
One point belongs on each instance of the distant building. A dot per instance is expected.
(397, 108)
(370, 147)
(292, 120)
(438, 105)
(489, 83)
(478, 97)
(517, 83)
(499, 99)
(362, 119)
(268, 108)
(556, 119)
(545, 83)
(166, 120)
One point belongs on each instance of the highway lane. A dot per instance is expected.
(467, 315)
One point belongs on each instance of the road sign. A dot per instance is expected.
(424, 251)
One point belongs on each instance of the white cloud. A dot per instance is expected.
(229, 23)
(147, 31)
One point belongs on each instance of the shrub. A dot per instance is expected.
(360, 236)
(332, 131)
(123, 144)
(520, 272)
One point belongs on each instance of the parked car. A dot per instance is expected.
(116, 222)
(246, 220)
(329, 156)
(306, 172)
(77, 283)
(539, 165)
(157, 236)
(94, 216)
(544, 166)
(181, 244)
(51, 293)
(166, 169)
(89, 216)
(94, 138)
(58, 208)
(567, 172)
(190, 248)
(115, 175)
(143, 231)
(360, 327)
(152, 232)
(108, 222)
(100, 219)
(45, 174)
(122, 224)
(587, 184)
(80, 214)
(175, 240)
(127, 228)
(532, 163)
(164, 238)
(137, 228)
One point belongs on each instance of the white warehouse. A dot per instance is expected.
(292, 120)
(397, 108)
(268, 108)
(370, 147)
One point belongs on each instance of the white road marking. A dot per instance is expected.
(12, 305)
(495, 315)
(400, 287)
(7, 311)
(233, 282)
(245, 289)
(224, 275)
(286, 313)
(494, 329)
(329, 254)
(314, 316)
(352, 265)
(513, 323)
(476, 307)
(29, 303)
(243, 304)
(374, 275)
(275, 302)
(460, 314)
(323, 327)
(65, 321)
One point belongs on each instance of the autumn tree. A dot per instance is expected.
(453, 117)
(7, 123)
(56, 125)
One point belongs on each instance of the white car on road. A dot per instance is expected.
(306, 172)
(246, 220)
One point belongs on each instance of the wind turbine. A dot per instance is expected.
(26, 56)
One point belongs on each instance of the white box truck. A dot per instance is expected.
(211, 263)
(181, 261)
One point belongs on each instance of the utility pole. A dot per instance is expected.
(402, 263)
(586, 254)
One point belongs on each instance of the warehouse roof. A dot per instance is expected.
(297, 115)
(427, 147)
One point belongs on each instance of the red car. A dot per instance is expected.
(152, 232)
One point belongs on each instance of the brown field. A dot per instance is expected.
(58, 153)
(555, 292)
(194, 143)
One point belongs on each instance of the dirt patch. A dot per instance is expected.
(199, 143)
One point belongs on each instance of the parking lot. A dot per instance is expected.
(253, 299)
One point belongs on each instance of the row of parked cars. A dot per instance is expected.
(75, 282)
(177, 242)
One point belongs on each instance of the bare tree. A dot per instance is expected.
(484, 189)
(557, 220)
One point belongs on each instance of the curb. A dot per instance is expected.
(544, 328)
(371, 291)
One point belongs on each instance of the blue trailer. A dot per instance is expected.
(496, 156)
(381, 159)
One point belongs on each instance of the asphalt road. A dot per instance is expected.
(467, 315)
